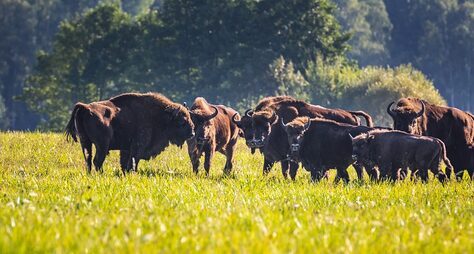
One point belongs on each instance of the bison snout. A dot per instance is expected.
(258, 142)
(295, 148)
(202, 141)
(191, 135)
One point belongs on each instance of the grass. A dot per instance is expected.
(49, 204)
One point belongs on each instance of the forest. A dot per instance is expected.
(357, 54)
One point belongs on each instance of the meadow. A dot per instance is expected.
(49, 204)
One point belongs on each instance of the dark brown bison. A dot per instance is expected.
(392, 151)
(260, 130)
(215, 131)
(453, 126)
(321, 144)
(141, 126)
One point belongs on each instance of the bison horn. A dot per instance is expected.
(283, 123)
(307, 124)
(185, 105)
(207, 118)
(274, 118)
(422, 111)
(248, 112)
(235, 121)
(390, 110)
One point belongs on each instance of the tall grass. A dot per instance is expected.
(48, 203)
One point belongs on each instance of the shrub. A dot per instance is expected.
(344, 85)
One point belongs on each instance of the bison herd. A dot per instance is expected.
(284, 130)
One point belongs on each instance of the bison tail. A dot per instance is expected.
(71, 130)
(368, 118)
(449, 167)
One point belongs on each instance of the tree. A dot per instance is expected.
(370, 26)
(86, 62)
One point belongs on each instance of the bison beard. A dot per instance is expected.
(451, 125)
(141, 126)
(215, 131)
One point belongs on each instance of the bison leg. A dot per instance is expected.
(359, 170)
(101, 152)
(267, 166)
(394, 174)
(373, 173)
(437, 171)
(86, 146)
(423, 173)
(341, 174)
(207, 160)
(194, 155)
(448, 172)
(316, 174)
(293, 169)
(125, 162)
(229, 156)
(284, 168)
(384, 172)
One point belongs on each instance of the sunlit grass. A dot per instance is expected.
(48, 203)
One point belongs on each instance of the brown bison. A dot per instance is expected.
(392, 151)
(215, 131)
(453, 126)
(321, 144)
(260, 130)
(141, 126)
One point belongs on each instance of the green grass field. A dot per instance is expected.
(48, 203)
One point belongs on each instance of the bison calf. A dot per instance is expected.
(394, 150)
(321, 144)
(215, 131)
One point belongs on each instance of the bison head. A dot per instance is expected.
(262, 122)
(203, 125)
(181, 125)
(245, 124)
(360, 147)
(295, 131)
(405, 116)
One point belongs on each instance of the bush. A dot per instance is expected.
(343, 85)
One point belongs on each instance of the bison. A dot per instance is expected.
(395, 150)
(452, 126)
(261, 132)
(141, 126)
(321, 144)
(215, 131)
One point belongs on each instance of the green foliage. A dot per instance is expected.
(288, 81)
(369, 89)
(339, 84)
(434, 37)
(50, 205)
(370, 26)
(184, 49)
